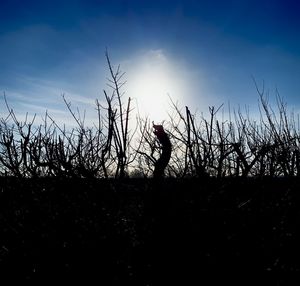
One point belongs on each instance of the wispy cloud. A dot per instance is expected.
(41, 96)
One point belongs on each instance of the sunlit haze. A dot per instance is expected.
(153, 79)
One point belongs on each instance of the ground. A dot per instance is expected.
(150, 232)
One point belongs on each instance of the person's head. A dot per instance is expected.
(158, 129)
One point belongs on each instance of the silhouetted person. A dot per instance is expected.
(164, 159)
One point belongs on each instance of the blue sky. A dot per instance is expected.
(201, 53)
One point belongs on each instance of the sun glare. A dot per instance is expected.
(151, 79)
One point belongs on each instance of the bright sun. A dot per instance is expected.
(150, 80)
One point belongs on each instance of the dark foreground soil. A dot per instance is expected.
(142, 232)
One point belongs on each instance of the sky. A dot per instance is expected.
(198, 53)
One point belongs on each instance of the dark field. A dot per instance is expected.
(144, 232)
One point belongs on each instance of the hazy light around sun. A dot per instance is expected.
(152, 78)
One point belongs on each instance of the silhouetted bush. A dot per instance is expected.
(240, 146)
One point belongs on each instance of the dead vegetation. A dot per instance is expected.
(112, 147)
